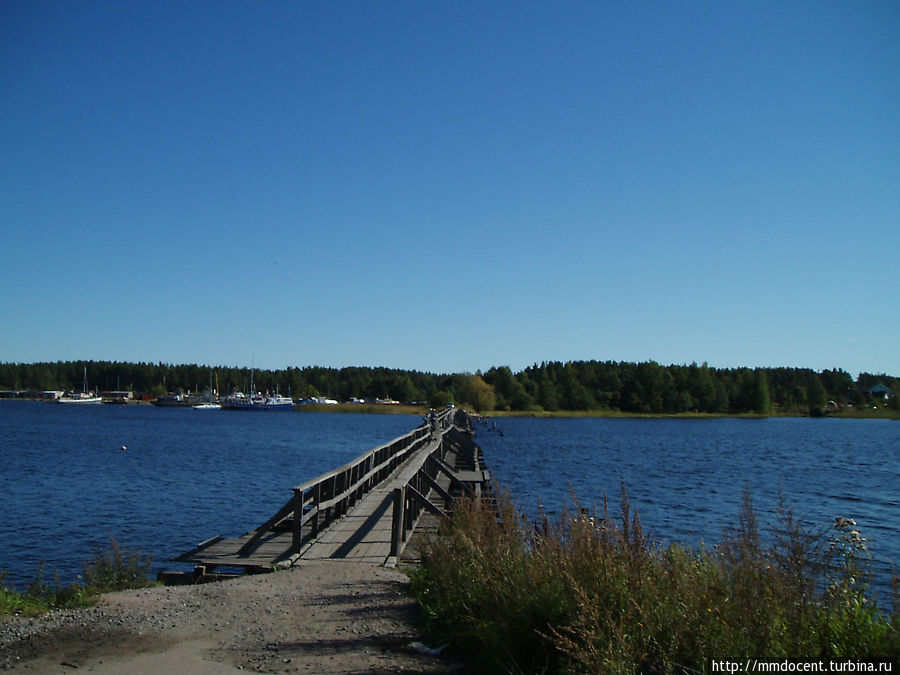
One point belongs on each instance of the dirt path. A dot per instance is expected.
(324, 617)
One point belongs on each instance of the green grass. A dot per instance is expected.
(590, 594)
(110, 570)
(879, 413)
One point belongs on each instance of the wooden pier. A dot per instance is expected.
(365, 510)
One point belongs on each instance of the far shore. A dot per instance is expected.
(422, 410)
(855, 413)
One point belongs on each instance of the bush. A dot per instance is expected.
(589, 593)
(115, 569)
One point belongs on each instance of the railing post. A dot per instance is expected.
(317, 498)
(397, 521)
(409, 514)
(298, 518)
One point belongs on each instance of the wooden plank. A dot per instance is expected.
(473, 476)
(196, 550)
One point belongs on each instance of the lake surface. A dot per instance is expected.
(686, 477)
(187, 475)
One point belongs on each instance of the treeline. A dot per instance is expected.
(652, 388)
(551, 386)
(162, 378)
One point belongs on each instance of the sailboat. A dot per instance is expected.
(83, 397)
(209, 405)
(239, 401)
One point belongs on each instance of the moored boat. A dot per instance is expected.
(210, 404)
(173, 401)
(83, 397)
(240, 401)
(79, 397)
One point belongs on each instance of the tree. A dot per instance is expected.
(838, 384)
(547, 396)
(751, 392)
(760, 401)
(404, 390)
(440, 398)
(651, 387)
(702, 387)
(510, 392)
(815, 393)
(572, 394)
(473, 390)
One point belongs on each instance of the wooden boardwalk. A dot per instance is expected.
(364, 534)
(364, 511)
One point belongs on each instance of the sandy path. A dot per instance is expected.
(324, 617)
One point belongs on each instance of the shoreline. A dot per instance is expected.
(612, 414)
(421, 411)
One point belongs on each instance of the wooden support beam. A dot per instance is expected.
(283, 513)
(442, 465)
(434, 485)
(424, 502)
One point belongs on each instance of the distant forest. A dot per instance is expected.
(551, 386)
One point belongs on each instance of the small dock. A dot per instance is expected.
(365, 510)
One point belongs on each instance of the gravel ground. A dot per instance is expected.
(324, 617)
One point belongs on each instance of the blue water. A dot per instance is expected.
(686, 477)
(187, 475)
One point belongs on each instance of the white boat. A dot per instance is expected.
(240, 401)
(209, 405)
(82, 397)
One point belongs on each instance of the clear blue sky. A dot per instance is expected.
(448, 186)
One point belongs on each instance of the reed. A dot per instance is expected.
(590, 593)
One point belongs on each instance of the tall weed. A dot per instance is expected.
(591, 593)
(115, 569)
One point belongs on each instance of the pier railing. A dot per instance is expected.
(319, 502)
(421, 477)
